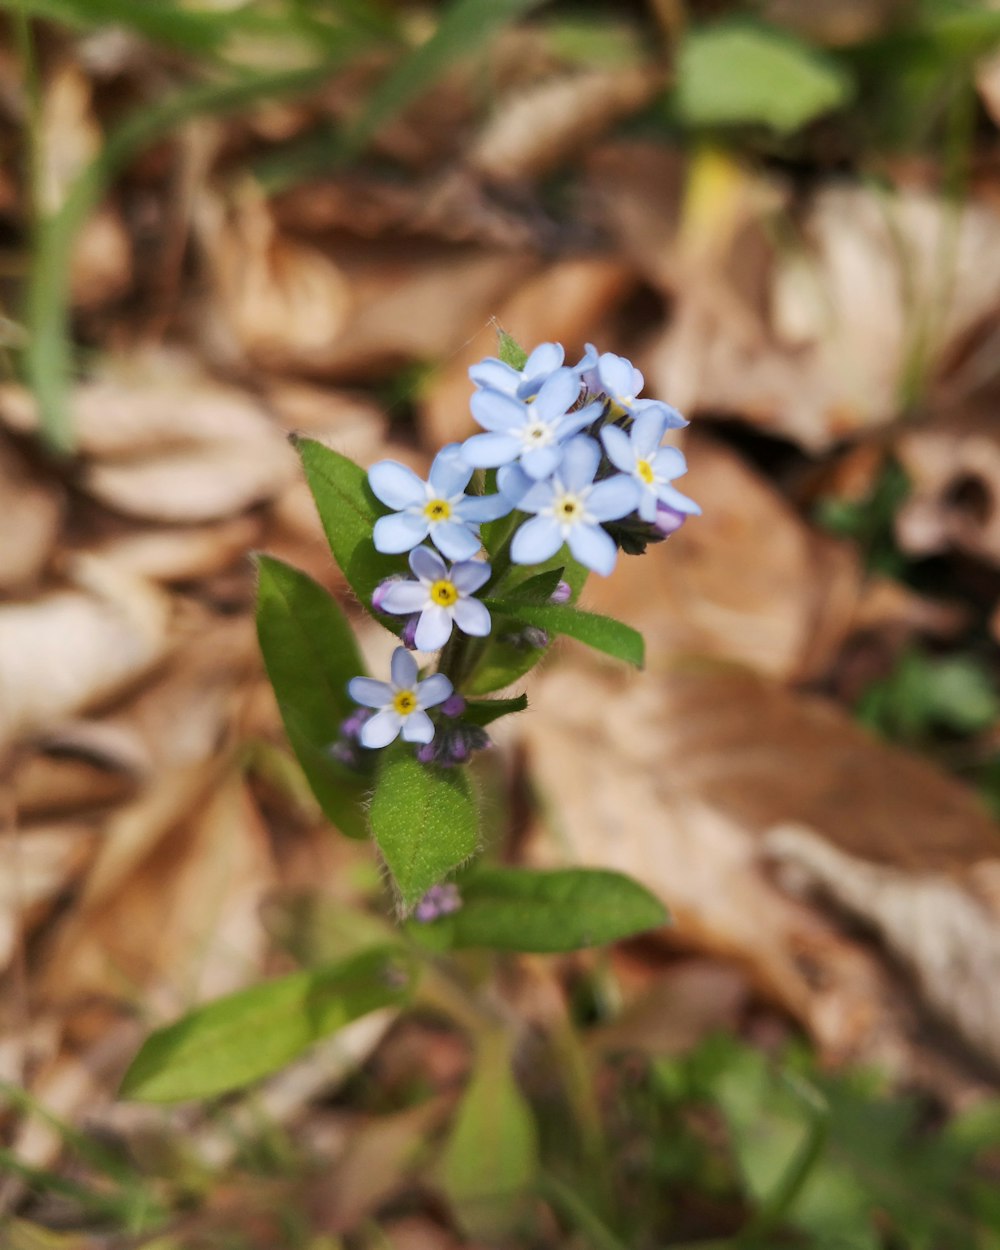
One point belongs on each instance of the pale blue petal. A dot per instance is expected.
(539, 462)
(450, 473)
(495, 411)
(418, 727)
(619, 447)
(536, 498)
(647, 503)
(455, 540)
(557, 394)
(470, 575)
(574, 422)
(680, 503)
(402, 598)
(535, 541)
(581, 456)
(593, 547)
(368, 692)
(546, 358)
(669, 463)
(433, 628)
(478, 508)
(672, 419)
(613, 498)
(427, 565)
(647, 430)
(398, 532)
(513, 484)
(472, 617)
(434, 690)
(489, 451)
(402, 669)
(617, 375)
(382, 729)
(494, 373)
(588, 360)
(396, 485)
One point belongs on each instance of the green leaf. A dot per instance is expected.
(564, 909)
(310, 656)
(603, 633)
(424, 820)
(738, 73)
(348, 511)
(485, 711)
(537, 589)
(510, 351)
(245, 1036)
(490, 1162)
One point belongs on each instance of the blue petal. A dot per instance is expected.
(497, 412)
(434, 690)
(619, 447)
(398, 532)
(454, 540)
(478, 508)
(557, 394)
(450, 473)
(613, 498)
(672, 419)
(418, 727)
(433, 628)
(581, 456)
(495, 374)
(539, 462)
(647, 430)
(535, 541)
(546, 358)
(617, 375)
(368, 692)
(489, 451)
(593, 547)
(470, 575)
(537, 497)
(427, 564)
(402, 598)
(396, 485)
(472, 617)
(513, 483)
(574, 422)
(647, 503)
(669, 463)
(680, 503)
(402, 669)
(382, 729)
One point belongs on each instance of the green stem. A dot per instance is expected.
(568, 1203)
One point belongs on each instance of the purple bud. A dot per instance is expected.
(344, 753)
(439, 900)
(535, 637)
(668, 520)
(409, 632)
(351, 727)
(453, 706)
(562, 593)
(426, 753)
(458, 751)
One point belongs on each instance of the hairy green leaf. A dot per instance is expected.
(245, 1036)
(485, 711)
(424, 820)
(310, 655)
(603, 633)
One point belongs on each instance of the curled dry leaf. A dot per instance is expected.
(954, 501)
(31, 514)
(67, 651)
(747, 581)
(183, 554)
(676, 778)
(79, 765)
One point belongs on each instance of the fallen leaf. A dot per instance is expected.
(183, 554)
(79, 764)
(32, 512)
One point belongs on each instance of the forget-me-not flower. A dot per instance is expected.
(621, 382)
(437, 509)
(401, 702)
(570, 507)
(442, 596)
(651, 466)
(492, 374)
(529, 432)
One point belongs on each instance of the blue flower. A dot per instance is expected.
(528, 432)
(621, 382)
(525, 383)
(442, 597)
(651, 466)
(569, 509)
(401, 702)
(438, 508)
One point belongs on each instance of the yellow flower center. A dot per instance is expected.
(645, 471)
(437, 510)
(444, 593)
(568, 508)
(404, 702)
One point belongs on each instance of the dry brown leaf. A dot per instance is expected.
(677, 779)
(40, 862)
(747, 581)
(31, 515)
(954, 501)
(183, 554)
(80, 764)
(67, 651)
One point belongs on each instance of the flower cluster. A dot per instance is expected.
(578, 459)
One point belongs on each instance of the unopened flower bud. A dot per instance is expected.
(408, 634)
(453, 706)
(562, 593)
(668, 520)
